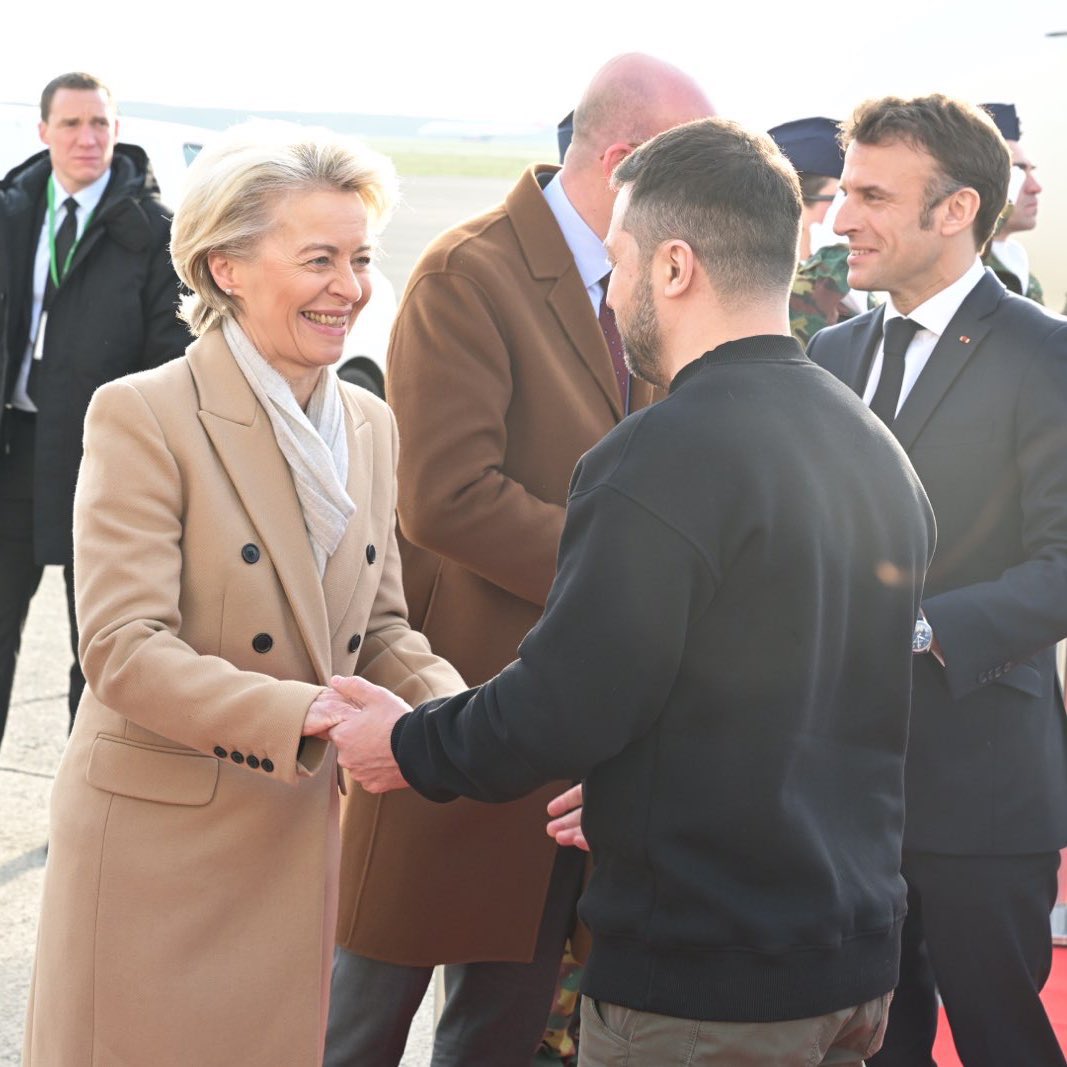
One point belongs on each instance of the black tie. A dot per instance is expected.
(65, 235)
(611, 335)
(898, 335)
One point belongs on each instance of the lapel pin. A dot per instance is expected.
(964, 339)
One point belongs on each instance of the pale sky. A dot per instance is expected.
(761, 63)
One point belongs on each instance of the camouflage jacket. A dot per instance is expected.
(1033, 290)
(821, 283)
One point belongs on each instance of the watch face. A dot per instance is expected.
(922, 636)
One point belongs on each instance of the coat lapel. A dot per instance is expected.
(961, 339)
(244, 440)
(549, 258)
(345, 566)
(861, 354)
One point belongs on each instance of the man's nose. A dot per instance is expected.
(843, 222)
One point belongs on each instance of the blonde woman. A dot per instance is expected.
(234, 549)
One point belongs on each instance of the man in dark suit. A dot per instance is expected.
(87, 294)
(972, 380)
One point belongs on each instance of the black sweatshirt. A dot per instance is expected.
(725, 660)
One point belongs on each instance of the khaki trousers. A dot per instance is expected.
(613, 1036)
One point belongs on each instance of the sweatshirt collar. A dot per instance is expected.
(764, 348)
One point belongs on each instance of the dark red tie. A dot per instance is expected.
(611, 335)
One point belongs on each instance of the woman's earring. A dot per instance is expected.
(228, 292)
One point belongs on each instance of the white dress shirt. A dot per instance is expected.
(588, 250)
(933, 316)
(87, 199)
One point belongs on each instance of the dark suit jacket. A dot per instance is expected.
(986, 429)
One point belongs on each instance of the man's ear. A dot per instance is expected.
(959, 211)
(613, 156)
(675, 268)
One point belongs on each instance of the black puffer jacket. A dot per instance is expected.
(114, 313)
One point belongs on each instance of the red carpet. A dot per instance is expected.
(1054, 996)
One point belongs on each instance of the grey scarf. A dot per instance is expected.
(314, 444)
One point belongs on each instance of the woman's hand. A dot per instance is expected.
(566, 827)
(328, 709)
(363, 739)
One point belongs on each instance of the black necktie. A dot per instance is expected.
(65, 236)
(614, 340)
(898, 335)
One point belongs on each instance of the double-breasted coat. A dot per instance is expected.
(191, 890)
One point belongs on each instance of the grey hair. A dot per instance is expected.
(234, 184)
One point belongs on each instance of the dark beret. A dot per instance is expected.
(564, 133)
(1007, 121)
(811, 145)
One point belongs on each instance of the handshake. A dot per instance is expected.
(358, 717)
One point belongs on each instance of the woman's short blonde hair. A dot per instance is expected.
(231, 189)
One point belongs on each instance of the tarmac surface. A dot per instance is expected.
(37, 721)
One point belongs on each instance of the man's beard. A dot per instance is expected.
(641, 339)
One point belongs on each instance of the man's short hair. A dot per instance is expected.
(962, 139)
(76, 79)
(728, 193)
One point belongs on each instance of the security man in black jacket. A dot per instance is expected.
(87, 294)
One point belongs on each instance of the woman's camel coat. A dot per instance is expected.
(191, 890)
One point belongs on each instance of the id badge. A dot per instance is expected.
(38, 341)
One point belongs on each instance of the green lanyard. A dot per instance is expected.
(58, 274)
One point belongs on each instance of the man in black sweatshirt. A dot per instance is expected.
(725, 656)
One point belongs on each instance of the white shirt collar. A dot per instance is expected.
(587, 249)
(936, 313)
(87, 198)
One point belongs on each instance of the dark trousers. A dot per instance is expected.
(978, 933)
(20, 573)
(494, 1013)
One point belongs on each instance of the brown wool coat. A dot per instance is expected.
(190, 895)
(500, 379)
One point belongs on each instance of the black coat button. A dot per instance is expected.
(263, 642)
(250, 553)
(221, 752)
(372, 553)
(267, 765)
(353, 642)
(237, 757)
(253, 762)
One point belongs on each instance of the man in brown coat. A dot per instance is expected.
(504, 368)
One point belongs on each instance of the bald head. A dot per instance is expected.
(632, 98)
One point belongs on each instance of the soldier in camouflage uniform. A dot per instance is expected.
(819, 291)
(559, 1046)
(1006, 257)
(821, 284)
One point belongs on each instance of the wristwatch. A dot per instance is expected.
(922, 637)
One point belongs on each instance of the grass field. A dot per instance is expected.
(422, 157)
